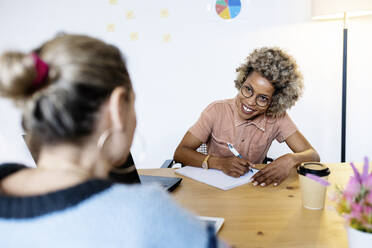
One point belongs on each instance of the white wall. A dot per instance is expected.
(175, 80)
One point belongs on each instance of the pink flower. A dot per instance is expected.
(356, 173)
(355, 201)
(368, 198)
(368, 182)
(364, 176)
(367, 210)
(352, 189)
(356, 211)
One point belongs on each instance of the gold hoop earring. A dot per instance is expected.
(102, 140)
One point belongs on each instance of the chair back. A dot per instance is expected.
(203, 149)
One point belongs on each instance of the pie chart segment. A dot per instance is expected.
(228, 9)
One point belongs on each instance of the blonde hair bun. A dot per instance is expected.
(17, 72)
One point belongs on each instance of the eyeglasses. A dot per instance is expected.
(261, 100)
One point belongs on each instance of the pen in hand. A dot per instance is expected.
(235, 152)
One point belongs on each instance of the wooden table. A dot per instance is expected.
(266, 216)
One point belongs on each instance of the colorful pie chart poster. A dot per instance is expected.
(228, 9)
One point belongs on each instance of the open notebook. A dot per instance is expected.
(215, 178)
(216, 222)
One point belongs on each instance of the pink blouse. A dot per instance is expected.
(220, 123)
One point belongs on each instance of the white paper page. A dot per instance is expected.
(13, 149)
(214, 221)
(215, 178)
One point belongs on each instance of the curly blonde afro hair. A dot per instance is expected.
(281, 70)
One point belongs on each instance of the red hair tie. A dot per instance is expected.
(42, 70)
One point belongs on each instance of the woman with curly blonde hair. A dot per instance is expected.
(269, 83)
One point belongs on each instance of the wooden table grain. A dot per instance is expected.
(266, 216)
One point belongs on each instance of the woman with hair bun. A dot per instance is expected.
(77, 100)
(269, 83)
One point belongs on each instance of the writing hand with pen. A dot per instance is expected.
(235, 166)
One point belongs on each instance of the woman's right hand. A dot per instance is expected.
(232, 166)
(186, 154)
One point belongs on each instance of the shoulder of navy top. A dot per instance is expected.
(14, 207)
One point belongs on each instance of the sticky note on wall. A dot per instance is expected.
(134, 36)
(167, 38)
(110, 27)
(164, 13)
(129, 15)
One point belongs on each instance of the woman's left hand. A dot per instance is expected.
(275, 172)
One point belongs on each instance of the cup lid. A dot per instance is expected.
(315, 168)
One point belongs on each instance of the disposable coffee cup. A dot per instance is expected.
(312, 192)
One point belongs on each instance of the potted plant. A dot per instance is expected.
(354, 203)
